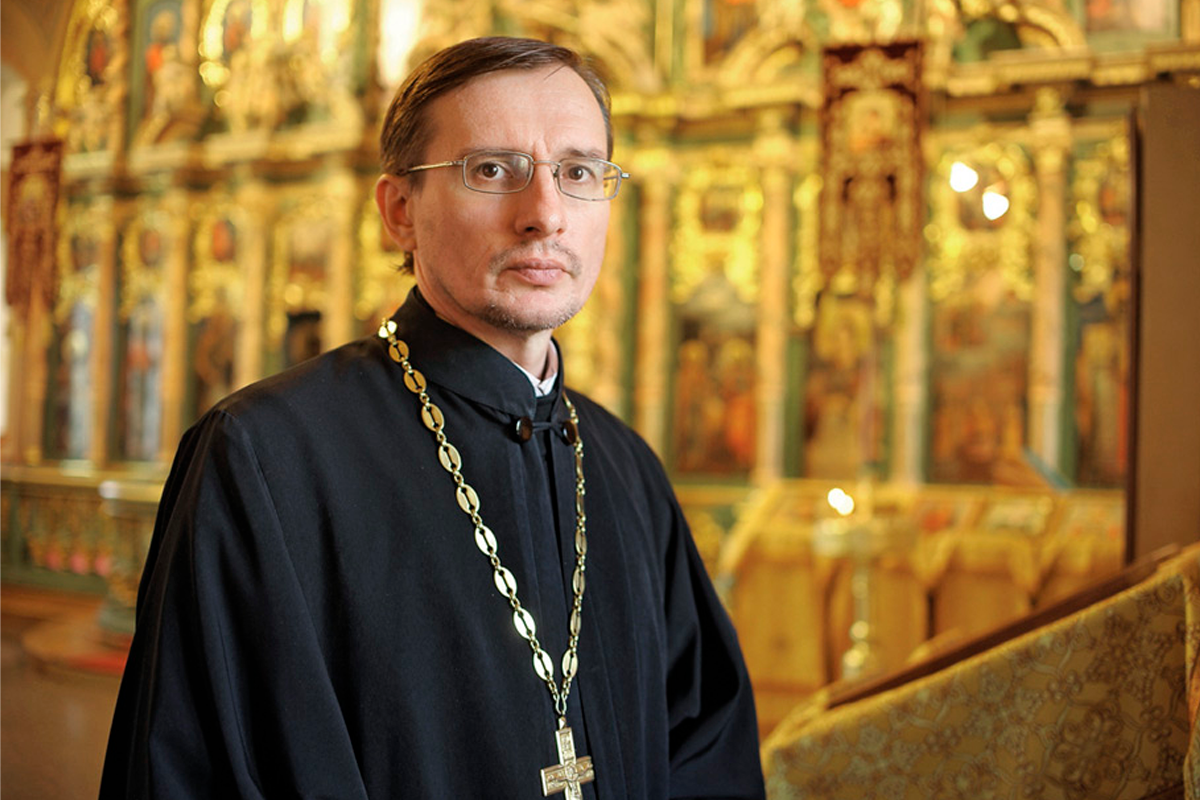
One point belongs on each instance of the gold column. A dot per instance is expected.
(253, 199)
(652, 162)
(911, 375)
(773, 152)
(1051, 130)
(29, 374)
(175, 327)
(911, 366)
(103, 342)
(340, 190)
(1189, 20)
(664, 38)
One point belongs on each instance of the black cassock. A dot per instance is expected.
(315, 619)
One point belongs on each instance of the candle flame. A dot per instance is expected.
(842, 503)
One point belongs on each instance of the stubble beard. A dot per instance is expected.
(525, 321)
(515, 318)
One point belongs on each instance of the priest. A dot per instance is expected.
(418, 565)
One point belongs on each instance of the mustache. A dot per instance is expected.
(544, 251)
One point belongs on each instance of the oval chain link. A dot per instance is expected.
(468, 501)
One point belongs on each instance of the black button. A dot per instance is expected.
(570, 432)
(524, 429)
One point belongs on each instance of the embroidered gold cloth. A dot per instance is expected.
(1101, 704)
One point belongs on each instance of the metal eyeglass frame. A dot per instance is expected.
(621, 174)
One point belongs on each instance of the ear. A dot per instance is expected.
(392, 197)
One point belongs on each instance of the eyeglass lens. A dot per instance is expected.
(505, 172)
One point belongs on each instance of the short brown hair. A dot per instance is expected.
(405, 130)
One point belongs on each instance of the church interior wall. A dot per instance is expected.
(964, 375)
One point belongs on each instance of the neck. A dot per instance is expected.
(535, 352)
(531, 349)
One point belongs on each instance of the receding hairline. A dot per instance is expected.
(430, 123)
(444, 72)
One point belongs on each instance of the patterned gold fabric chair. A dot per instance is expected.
(1101, 703)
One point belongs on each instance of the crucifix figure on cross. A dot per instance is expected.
(570, 772)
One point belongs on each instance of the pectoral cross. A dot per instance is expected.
(570, 772)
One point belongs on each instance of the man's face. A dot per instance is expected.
(514, 264)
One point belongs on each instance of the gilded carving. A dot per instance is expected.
(317, 76)
(33, 192)
(718, 213)
(624, 53)
(90, 81)
(164, 103)
(1039, 23)
(234, 51)
(273, 64)
(960, 237)
(1099, 228)
(872, 203)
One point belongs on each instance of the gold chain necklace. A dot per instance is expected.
(570, 772)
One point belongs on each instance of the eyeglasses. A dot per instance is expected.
(506, 172)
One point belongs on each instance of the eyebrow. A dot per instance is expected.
(570, 152)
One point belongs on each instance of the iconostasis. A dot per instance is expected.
(880, 240)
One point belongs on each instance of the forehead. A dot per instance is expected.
(549, 109)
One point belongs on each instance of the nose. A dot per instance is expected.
(539, 208)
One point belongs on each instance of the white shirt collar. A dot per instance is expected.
(541, 388)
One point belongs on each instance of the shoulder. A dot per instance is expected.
(604, 431)
(315, 415)
(345, 376)
(602, 420)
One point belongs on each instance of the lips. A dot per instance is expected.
(539, 272)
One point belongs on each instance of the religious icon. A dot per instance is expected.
(162, 48)
(236, 26)
(1129, 16)
(84, 96)
(726, 22)
(215, 288)
(224, 241)
(166, 108)
(980, 368)
(140, 351)
(872, 117)
(841, 403)
(714, 418)
(141, 383)
(97, 56)
(69, 428)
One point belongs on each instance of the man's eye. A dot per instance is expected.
(579, 173)
(490, 170)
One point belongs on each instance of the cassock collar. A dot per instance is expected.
(455, 360)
